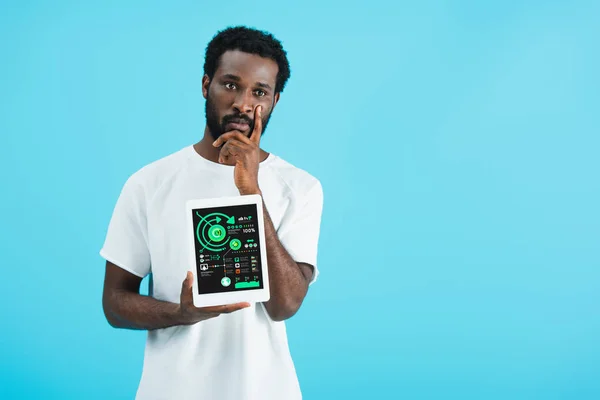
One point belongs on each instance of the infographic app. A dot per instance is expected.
(227, 248)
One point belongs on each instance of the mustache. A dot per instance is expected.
(238, 119)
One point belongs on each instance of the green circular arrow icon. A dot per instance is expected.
(216, 233)
(235, 244)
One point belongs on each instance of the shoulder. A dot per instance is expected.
(300, 183)
(146, 180)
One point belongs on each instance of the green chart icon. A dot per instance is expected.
(235, 244)
(216, 233)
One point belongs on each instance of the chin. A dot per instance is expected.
(215, 134)
(246, 133)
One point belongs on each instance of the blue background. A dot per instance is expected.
(457, 143)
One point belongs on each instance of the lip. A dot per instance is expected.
(240, 126)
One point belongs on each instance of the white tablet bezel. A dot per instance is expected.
(217, 299)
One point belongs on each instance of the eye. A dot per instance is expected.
(260, 93)
(230, 86)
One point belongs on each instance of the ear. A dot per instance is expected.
(205, 84)
(275, 100)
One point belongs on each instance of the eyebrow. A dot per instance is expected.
(237, 79)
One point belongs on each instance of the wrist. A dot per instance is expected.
(180, 318)
(249, 191)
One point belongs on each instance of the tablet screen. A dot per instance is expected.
(226, 241)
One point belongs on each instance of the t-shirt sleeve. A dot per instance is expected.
(126, 242)
(299, 231)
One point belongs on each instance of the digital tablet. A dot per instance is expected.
(227, 250)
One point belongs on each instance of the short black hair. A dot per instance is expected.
(248, 40)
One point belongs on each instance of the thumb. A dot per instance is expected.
(186, 286)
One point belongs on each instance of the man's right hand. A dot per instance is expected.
(191, 314)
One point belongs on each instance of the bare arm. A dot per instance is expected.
(288, 280)
(124, 307)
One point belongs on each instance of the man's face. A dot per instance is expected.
(241, 82)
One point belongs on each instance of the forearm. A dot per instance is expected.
(287, 283)
(130, 310)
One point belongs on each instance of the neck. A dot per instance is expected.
(205, 148)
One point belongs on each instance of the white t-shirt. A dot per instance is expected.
(243, 355)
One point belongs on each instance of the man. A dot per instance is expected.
(235, 351)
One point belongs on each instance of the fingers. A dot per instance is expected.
(229, 308)
(233, 148)
(192, 314)
(225, 309)
(231, 135)
(196, 314)
(257, 132)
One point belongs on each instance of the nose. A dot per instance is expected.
(244, 102)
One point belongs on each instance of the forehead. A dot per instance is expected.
(249, 67)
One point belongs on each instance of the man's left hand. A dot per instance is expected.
(244, 154)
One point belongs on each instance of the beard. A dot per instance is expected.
(217, 128)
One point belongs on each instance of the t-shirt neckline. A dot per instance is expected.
(211, 164)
